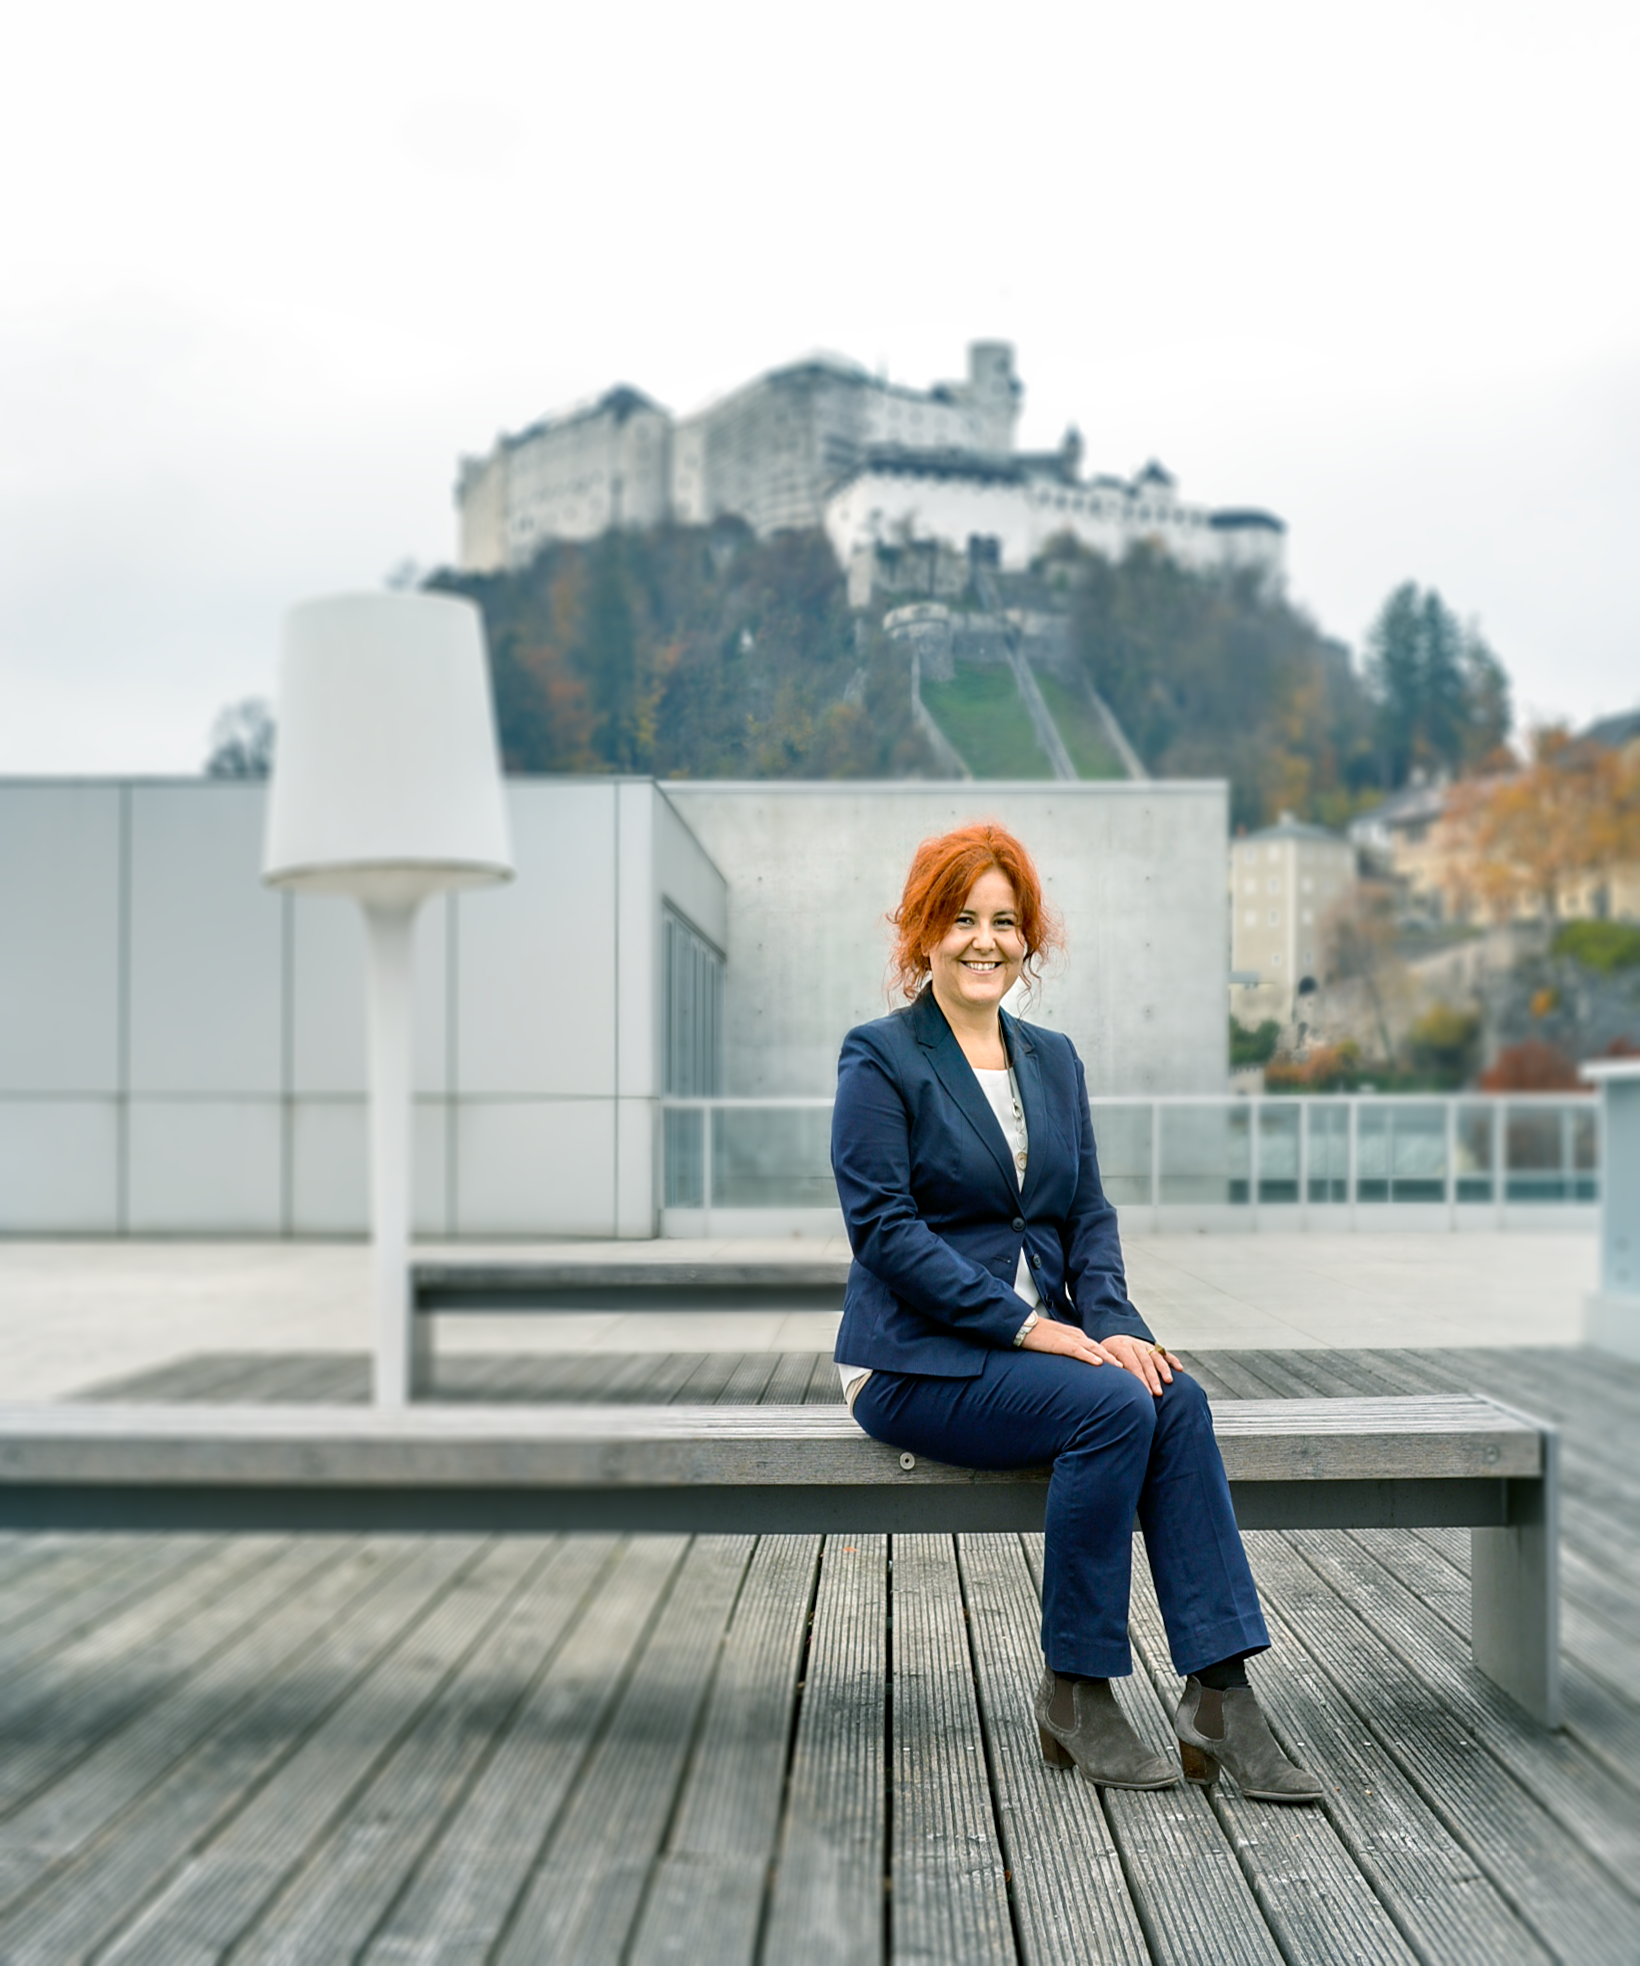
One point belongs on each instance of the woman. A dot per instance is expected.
(987, 1324)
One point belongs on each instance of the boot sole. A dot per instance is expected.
(1057, 1755)
(1202, 1768)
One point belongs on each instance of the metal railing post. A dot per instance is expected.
(1500, 1141)
(706, 1116)
(1155, 1166)
(1304, 1163)
(1451, 1163)
(1351, 1153)
(1254, 1128)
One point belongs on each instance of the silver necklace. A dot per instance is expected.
(1020, 1152)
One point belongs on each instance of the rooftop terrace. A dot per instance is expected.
(795, 1748)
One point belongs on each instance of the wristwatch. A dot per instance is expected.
(1025, 1330)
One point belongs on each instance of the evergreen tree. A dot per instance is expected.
(1440, 696)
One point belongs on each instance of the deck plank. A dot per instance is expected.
(587, 1889)
(827, 1905)
(332, 1906)
(789, 1381)
(1602, 1816)
(746, 1383)
(463, 1894)
(96, 1593)
(1192, 1899)
(1423, 1876)
(157, 1699)
(1065, 1910)
(1600, 1712)
(200, 1375)
(1540, 1870)
(125, 1824)
(949, 1902)
(1318, 1904)
(825, 1388)
(64, 1710)
(706, 1896)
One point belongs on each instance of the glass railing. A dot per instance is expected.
(1176, 1155)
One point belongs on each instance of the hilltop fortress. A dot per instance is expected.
(825, 443)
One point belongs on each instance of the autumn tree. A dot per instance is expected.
(1528, 836)
(698, 651)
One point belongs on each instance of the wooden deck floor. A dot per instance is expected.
(729, 1749)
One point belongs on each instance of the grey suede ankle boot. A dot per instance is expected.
(1080, 1725)
(1228, 1728)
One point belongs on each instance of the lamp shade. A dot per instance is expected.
(386, 784)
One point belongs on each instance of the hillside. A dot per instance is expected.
(707, 652)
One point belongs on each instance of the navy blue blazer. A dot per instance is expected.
(936, 1217)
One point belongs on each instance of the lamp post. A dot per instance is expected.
(386, 788)
(1612, 1313)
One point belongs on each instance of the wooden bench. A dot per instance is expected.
(459, 1284)
(1293, 1464)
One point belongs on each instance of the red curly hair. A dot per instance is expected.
(943, 872)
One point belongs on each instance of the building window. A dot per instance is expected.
(1250, 919)
(1275, 960)
(1275, 883)
(1275, 918)
(693, 1064)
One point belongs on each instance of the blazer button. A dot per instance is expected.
(1017, 1224)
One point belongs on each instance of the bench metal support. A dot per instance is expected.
(1514, 1592)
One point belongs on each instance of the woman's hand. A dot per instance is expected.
(1133, 1355)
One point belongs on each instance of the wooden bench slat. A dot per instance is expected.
(470, 1445)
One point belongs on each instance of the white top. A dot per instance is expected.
(1000, 1090)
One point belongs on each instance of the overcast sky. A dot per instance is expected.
(268, 271)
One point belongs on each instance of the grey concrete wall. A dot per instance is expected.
(182, 1051)
(1137, 871)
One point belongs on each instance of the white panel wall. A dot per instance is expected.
(206, 1167)
(812, 871)
(327, 999)
(329, 1168)
(60, 924)
(183, 1052)
(207, 944)
(59, 1167)
(536, 1167)
(535, 960)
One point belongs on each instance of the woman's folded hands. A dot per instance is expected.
(1151, 1363)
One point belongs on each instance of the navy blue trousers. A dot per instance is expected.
(1117, 1451)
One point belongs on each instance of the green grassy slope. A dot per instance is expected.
(1080, 727)
(981, 712)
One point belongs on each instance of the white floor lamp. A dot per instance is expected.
(386, 787)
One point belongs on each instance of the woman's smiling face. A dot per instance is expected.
(979, 960)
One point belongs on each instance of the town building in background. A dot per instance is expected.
(824, 442)
(1432, 839)
(1288, 885)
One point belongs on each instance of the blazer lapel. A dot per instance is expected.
(1028, 1077)
(957, 1076)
